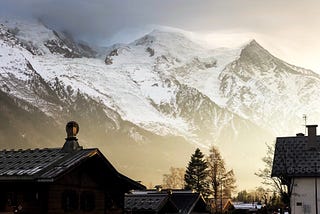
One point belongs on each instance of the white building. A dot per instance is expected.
(297, 163)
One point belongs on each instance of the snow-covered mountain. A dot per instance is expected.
(154, 99)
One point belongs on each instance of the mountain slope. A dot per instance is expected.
(34, 112)
(144, 101)
(269, 91)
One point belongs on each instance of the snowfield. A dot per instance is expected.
(167, 83)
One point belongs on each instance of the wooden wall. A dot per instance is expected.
(79, 181)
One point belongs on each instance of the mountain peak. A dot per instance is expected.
(253, 44)
(168, 42)
(255, 53)
(161, 36)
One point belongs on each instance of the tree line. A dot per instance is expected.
(207, 175)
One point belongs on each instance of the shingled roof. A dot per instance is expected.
(148, 202)
(187, 201)
(175, 201)
(297, 156)
(48, 165)
(39, 164)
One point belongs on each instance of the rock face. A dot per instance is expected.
(112, 53)
(148, 99)
(268, 90)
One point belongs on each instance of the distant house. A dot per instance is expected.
(167, 201)
(240, 207)
(297, 163)
(61, 180)
(225, 203)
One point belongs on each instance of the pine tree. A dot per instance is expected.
(197, 173)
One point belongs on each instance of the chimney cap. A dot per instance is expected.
(71, 144)
(158, 188)
(72, 129)
(311, 126)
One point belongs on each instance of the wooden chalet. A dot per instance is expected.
(61, 180)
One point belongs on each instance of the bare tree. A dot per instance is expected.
(283, 184)
(222, 181)
(175, 178)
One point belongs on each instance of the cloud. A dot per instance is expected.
(100, 19)
(283, 22)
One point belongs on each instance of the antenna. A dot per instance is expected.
(304, 116)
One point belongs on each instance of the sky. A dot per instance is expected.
(289, 29)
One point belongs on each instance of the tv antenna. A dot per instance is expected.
(304, 116)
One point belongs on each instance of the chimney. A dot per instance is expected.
(312, 136)
(71, 144)
(158, 188)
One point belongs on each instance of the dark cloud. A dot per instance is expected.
(97, 20)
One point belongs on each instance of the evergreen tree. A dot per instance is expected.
(197, 173)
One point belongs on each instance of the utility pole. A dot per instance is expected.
(222, 179)
(316, 189)
(221, 195)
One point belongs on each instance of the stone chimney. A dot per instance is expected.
(71, 144)
(312, 136)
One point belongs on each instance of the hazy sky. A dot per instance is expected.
(287, 28)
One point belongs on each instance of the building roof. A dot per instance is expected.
(186, 201)
(48, 165)
(179, 200)
(296, 157)
(39, 164)
(145, 202)
(246, 206)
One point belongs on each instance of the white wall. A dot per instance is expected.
(303, 196)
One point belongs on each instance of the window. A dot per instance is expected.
(87, 201)
(12, 198)
(70, 200)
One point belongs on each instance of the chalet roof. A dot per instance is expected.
(145, 202)
(294, 157)
(39, 164)
(47, 165)
(186, 201)
(182, 201)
